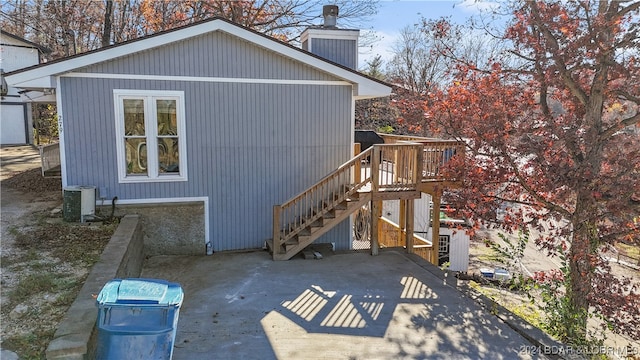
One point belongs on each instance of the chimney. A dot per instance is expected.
(330, 42)
(330, 14)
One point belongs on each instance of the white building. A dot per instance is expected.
(16, 121)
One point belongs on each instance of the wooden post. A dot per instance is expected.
(419, 164)
(376, 205)
(410, 224)
(375, 169)
(435, 227)
(397, 163)
(276, 230)
(402, 219)
(358, 166)
(376, 213)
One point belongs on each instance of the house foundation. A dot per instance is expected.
(169, 229)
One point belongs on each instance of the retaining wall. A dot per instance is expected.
(123, 257)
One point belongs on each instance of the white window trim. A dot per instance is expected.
(150, 129)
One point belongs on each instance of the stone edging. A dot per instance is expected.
(122, 258)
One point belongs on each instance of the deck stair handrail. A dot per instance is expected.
(384, 171)
(299, 212)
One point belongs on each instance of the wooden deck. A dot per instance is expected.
(400, 169)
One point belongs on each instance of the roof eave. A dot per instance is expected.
(45, 82)
(40, 48)
(43, 76)
(371, 90)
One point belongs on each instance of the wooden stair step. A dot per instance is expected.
(336, 213)
(330, 215)
(342, 206)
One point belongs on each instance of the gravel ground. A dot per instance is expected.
(44, 261)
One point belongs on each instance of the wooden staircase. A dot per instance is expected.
(303, 219)
(304, 236)
(395, 172)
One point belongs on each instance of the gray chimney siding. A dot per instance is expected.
(337, 45)
(330, 42)
(343, 52)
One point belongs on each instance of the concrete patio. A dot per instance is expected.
(344, 306)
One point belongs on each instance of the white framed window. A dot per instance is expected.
(150, 130)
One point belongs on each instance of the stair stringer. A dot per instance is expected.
(304, 240)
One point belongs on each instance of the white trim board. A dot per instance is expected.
(338, 34)
(63, 157)
(204, 199)
(205, 79)
(41, 76)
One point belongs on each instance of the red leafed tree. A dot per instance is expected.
(162, 15)
(556, 139)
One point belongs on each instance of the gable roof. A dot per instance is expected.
(43, 75)
(26, 42)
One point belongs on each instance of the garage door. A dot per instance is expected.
(13, 124)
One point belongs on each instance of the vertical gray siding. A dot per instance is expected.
(215, 54)
(249, 147)
(343, 52)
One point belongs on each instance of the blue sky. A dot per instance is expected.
(393, 15)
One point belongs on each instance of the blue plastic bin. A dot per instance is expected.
(137, 319)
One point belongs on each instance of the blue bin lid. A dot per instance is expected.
(141, 291)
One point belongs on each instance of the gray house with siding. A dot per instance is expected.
(202, 129)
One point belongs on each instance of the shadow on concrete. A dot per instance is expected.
(319, 310)
(345, 306)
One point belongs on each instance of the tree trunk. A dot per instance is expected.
(108, 20)
(581, 262)
(577, 292)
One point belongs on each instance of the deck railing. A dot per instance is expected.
(312, 204)
(400, 167)
(384, 169)
(436, 155)
(437, 152)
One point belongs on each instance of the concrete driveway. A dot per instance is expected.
(16, 159)
(344, 306)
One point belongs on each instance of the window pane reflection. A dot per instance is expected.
(133, 117)
(167, 120)
(136, 152)
(168, 155)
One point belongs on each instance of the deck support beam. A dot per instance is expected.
(277, 249)
(376, 214)
(402, 219)
(410, 218)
